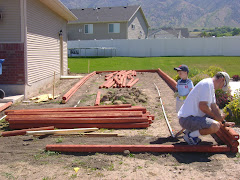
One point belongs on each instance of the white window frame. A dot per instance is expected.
(89, 28)
(133, 26)
(116, 27)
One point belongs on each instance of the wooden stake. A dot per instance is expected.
(54, 85)
(88, 65)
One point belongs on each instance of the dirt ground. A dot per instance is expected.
(24, 157)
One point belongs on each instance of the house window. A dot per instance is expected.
(114, 28)
(88, 28)
(133, 26)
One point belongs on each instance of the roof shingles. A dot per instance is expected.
(104, 14)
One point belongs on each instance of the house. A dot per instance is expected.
(124, 22)
(169, 33)
(33, 43)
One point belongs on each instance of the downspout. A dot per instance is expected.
(61, 52)
(127, 30)
(24, 38)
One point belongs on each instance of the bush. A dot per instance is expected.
(193, 72)
(234, 106)
(198, 78)
(236, 77)
(223, 98)
(212, 70)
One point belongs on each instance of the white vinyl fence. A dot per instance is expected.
(224, 46)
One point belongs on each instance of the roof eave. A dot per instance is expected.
(96, 22)
(58, 7)
(139, 8)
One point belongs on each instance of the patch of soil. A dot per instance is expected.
(24, 157)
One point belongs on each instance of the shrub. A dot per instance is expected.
(176, 78)
(236, 77)
(223, 98)
(198, 78)
(234, 106)
(212, 70)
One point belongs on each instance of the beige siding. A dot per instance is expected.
(141, 30)
(100, 31)
(10, 25)
(43, 42)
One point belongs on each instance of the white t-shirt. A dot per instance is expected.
(203, 91)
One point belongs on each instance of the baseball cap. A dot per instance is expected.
(226, 81)
(182, 67)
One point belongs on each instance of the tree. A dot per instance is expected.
(236, 31)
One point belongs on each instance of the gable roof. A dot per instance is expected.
(59, 8)
(106, 14)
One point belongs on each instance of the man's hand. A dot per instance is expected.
(229, 124)
(211, 112)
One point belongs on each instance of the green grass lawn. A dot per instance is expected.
(80, 65)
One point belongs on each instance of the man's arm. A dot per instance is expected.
(213, 112)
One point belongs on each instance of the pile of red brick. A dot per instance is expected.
(120, 79)
(107, 116)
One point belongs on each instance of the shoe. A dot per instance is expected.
(186, 131)
(191, 140)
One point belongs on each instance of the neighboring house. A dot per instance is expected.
(159, 34)
(169, 33)
(33, 42)
(125, 22)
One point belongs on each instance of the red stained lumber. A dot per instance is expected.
(129, 82)
(230, 132)
(70, 108)
(70, 126)
(124, 81)
(23, 131)
(137, 148)
(171, 82)
(97, 102)
(110, 84)
(111, 74)
(67, 96)
(115, 120)
(75, 115)
(222, 137)
(226, 139)
(117, 81)
(5, 106)
(134, 82)
(99, 109)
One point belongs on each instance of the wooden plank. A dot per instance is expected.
(137, 148)
(36, 115)
(23, 131)
(79, 120)
(62, 131)
(5, 106)
(72, 108)
(70, 126)
(97, 102)
(133, 108)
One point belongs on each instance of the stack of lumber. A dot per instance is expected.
(229, 137)
(120, 79)
(69, 94)
(108, 116)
